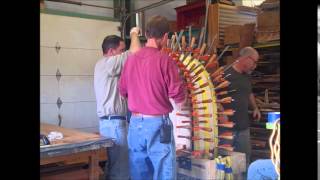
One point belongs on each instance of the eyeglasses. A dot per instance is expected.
(253, 60)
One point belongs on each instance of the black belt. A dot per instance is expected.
(113, 117)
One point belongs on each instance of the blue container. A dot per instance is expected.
(273, 116)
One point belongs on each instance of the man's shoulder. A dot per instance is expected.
(99, 64)
(101, 60)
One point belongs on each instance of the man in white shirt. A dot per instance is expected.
(111, 107)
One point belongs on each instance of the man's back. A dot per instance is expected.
(106, 75)
(150, 77)
(242, 85)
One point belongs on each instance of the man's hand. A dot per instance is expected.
(135, 42)
(135, 30)
(256, 114)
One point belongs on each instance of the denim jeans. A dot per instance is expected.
(150, 159)
(117, 167)
(262, 169)
(242, 143)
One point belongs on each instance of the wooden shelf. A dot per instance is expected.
(256, 45)
(270, 79)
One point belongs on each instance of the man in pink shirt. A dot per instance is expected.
(149, 79)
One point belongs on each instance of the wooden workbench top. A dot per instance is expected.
(73, 141)
(70, 136)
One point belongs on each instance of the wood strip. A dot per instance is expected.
(74, 158)
(94, 166)
(80, 174)
(213, 21)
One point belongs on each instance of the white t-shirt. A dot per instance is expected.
(106, 75)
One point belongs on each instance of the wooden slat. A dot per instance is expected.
(213, 21)
(102, 154)
(80, 174)
(73, 158)
(94, 166)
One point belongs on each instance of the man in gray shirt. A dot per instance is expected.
(111, 107)
(243, 99)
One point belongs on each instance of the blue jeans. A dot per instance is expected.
(242, 143)
(117, 167)
(150, 159)
(262, 169)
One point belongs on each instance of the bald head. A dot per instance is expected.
(248, 51)
(248, 60)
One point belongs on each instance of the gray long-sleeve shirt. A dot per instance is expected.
(106, 75)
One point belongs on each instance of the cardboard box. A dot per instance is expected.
(204, 169)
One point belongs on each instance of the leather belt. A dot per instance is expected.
(113, 117)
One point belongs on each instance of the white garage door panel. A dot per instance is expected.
(48, 61)
(79, 115)
(74, 32)
(49, 89)
(80, 48)
(50, 30)
(87, 111)
(68, 115)
(77, 88)
(49, 114)
(78, 61)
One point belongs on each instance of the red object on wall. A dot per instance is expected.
(192, 14)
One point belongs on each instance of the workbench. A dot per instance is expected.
(75, 147)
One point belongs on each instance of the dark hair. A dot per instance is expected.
(110, 42)
(156, 27)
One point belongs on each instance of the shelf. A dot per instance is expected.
(267, 44)
(257, 45)
(267, 78)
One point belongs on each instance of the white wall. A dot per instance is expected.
(84, 9)
(166, 10)
(80, 40)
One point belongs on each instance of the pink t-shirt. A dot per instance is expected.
(148, 80)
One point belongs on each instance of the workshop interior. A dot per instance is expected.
(221, 56)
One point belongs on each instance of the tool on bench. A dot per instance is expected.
(44, 140)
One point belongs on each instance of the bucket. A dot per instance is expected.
(273, 116)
